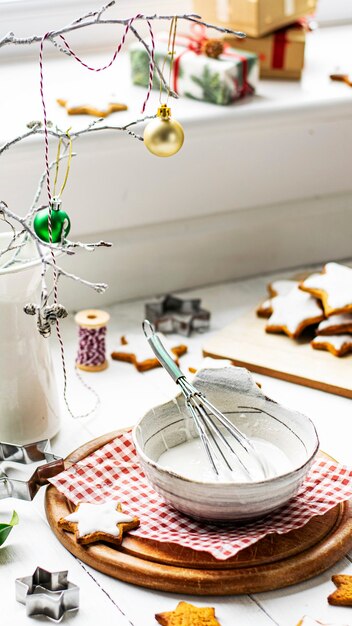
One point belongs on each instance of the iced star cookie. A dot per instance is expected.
(338, 345)
(98, 107)
(333, 287)
(293, 312)
(136, 350)
(187, 614)
(281, 287)
(336, 325)
(276, 288)
(99, 522)
(265, 309)
(342, 596)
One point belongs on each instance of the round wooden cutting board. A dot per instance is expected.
(274, 562)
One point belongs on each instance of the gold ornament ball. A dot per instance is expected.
(163, 136)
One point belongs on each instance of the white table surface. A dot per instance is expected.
(125, 396)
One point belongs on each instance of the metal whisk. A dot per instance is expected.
(203, 413)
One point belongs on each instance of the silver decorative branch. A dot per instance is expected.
(66, 246)
(41, 182)
(157, 69)
(98, 287)
(38, 130)
(32, 131)
(49, 314)
(33, 209)
(83, 22)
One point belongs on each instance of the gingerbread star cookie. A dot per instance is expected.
(342, 596)
(336, 325)
(293, 312)
(99, 522)
(136, 350)
(338, 345)
(276, 288)
(98, 107)
(309, 621)
(265, 309)
(281, 287)
(187, 614)
(333, 287)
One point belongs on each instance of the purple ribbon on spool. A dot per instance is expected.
(91, 354)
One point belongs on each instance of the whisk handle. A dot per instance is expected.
(161, 353)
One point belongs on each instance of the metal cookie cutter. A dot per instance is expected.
(175, 315)
(24, 455)
(47, 593)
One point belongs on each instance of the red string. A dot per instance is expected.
(93, 69)
(104, 67)
(46, 151)
(46, 139)
(46, 143)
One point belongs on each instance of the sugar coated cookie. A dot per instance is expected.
(99, 522)
(98, 107)
(281, 287)
(187, 614)
(276, 288)
(342, 596)
(265, 309)
(336, 325)
(338, 345)
(333, 287)
(136, 350)
(293, 312)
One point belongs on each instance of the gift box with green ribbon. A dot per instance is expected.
(202, 68)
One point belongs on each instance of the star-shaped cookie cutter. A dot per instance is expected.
(24, 455)
(176, 315)
(47, 593)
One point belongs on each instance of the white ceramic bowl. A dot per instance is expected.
(169, 425)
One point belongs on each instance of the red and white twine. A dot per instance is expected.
(47, 168)
(91, 346)
(120, 45)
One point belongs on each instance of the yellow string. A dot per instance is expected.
(171, 53)
(58, 164)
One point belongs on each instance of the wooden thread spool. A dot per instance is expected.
(91, 356)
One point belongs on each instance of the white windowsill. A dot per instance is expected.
(277, 103)
(327, 51)
(287, 152)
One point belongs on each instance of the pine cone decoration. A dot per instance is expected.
(213, 48)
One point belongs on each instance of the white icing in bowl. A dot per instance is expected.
(168, 427)
(189, 459)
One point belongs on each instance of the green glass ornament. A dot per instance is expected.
(59, 221)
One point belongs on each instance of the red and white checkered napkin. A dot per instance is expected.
(113, 473)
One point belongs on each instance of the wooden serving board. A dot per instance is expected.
(246, 343)
(274, 562)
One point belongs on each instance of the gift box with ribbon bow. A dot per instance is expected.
(281, 54)
(202, 68)
(255, 17)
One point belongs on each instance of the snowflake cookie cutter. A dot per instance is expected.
(172, 314)
(47, 593)
(11, 487)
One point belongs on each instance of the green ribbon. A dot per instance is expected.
(5, 529)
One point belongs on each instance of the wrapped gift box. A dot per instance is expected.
(281, 54)
(232, 75)
(255, 17)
